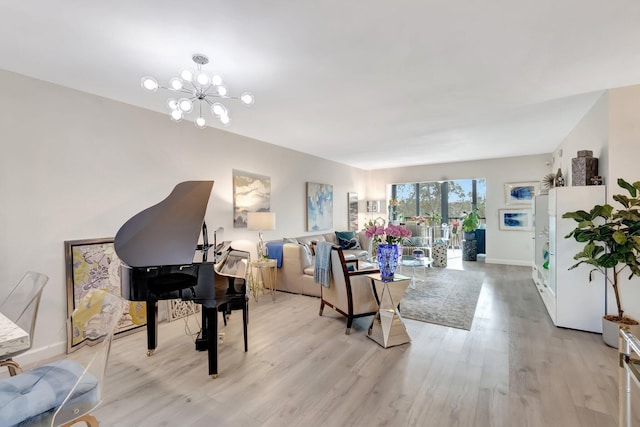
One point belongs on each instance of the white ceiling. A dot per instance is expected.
(368, 83)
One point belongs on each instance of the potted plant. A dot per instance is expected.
(470, 224)
(612, 247)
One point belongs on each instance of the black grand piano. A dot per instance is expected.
(158, 247)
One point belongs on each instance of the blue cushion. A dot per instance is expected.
(38, 392)
(345, 235)
(349, 244)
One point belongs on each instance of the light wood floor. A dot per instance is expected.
(514, 368)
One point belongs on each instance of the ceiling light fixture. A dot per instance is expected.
(195, 87)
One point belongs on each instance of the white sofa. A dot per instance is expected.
(296, 273)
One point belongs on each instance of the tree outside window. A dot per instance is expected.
(441, 201)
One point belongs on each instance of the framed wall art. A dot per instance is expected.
(251, 193)
(93, 264)
(520, 193)
(373, 206)
(319, 206)
(352, 199)
(516, 219)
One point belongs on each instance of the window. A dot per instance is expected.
(442, 200)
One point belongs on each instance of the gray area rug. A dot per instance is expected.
(444, 297)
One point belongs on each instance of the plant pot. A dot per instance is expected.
(611, 332)
(469, 250)
(469, 235)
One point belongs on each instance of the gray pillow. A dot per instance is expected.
(289, 240)
(307, 258)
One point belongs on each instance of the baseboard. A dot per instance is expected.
(40, 355)
(508, 262)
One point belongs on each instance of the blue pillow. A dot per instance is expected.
(346, 235)
(349, 244)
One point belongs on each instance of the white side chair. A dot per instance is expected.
(65, 392)
(21, 307)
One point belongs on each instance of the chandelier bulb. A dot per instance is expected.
(176, 83)
(247, 98)
(187, 75)
(172, 104)
(222, 91)
(149, 83)
(176, 115)
(216, 80)
(185, 105)
(224, 119)
(200, 123)
(203, 79)
(219, 110)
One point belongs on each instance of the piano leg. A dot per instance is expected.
(245, 321)
(212, 320)
(152, 326)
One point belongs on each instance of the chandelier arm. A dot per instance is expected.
(188, 92)
(193, 89)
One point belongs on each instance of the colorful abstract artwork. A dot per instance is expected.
(521, 193)
(516, 219)
(93, 264)
(251, 193)
(319, 206)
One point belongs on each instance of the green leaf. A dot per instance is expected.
(630, 188)
(607, 261)
(619, 237)
(603, 211)
(578, 215)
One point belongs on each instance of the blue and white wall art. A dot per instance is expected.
(319, 206)
(516, 219)
(519, 193)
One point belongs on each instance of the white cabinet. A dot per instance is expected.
(540, 270)
(571, 300)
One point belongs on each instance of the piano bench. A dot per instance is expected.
(172, 282)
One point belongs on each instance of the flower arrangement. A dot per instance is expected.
(392, 234)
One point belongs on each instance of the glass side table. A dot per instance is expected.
(409, 261)
(262, 276)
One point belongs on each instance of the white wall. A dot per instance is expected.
(591, 133)
(503, 247)
(77, 166)
(611, 129)
(624, 157)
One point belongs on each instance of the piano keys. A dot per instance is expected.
(158, 246)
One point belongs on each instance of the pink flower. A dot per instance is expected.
(392, 234)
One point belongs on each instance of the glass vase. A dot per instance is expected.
(387, 261)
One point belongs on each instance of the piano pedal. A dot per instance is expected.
(150, 352)
(220, 337)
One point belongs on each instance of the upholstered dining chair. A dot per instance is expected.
(350, 292)
(64, 392)
(21, 307)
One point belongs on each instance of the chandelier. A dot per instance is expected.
(194, 90)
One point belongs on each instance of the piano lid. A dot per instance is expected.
(166, 233)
